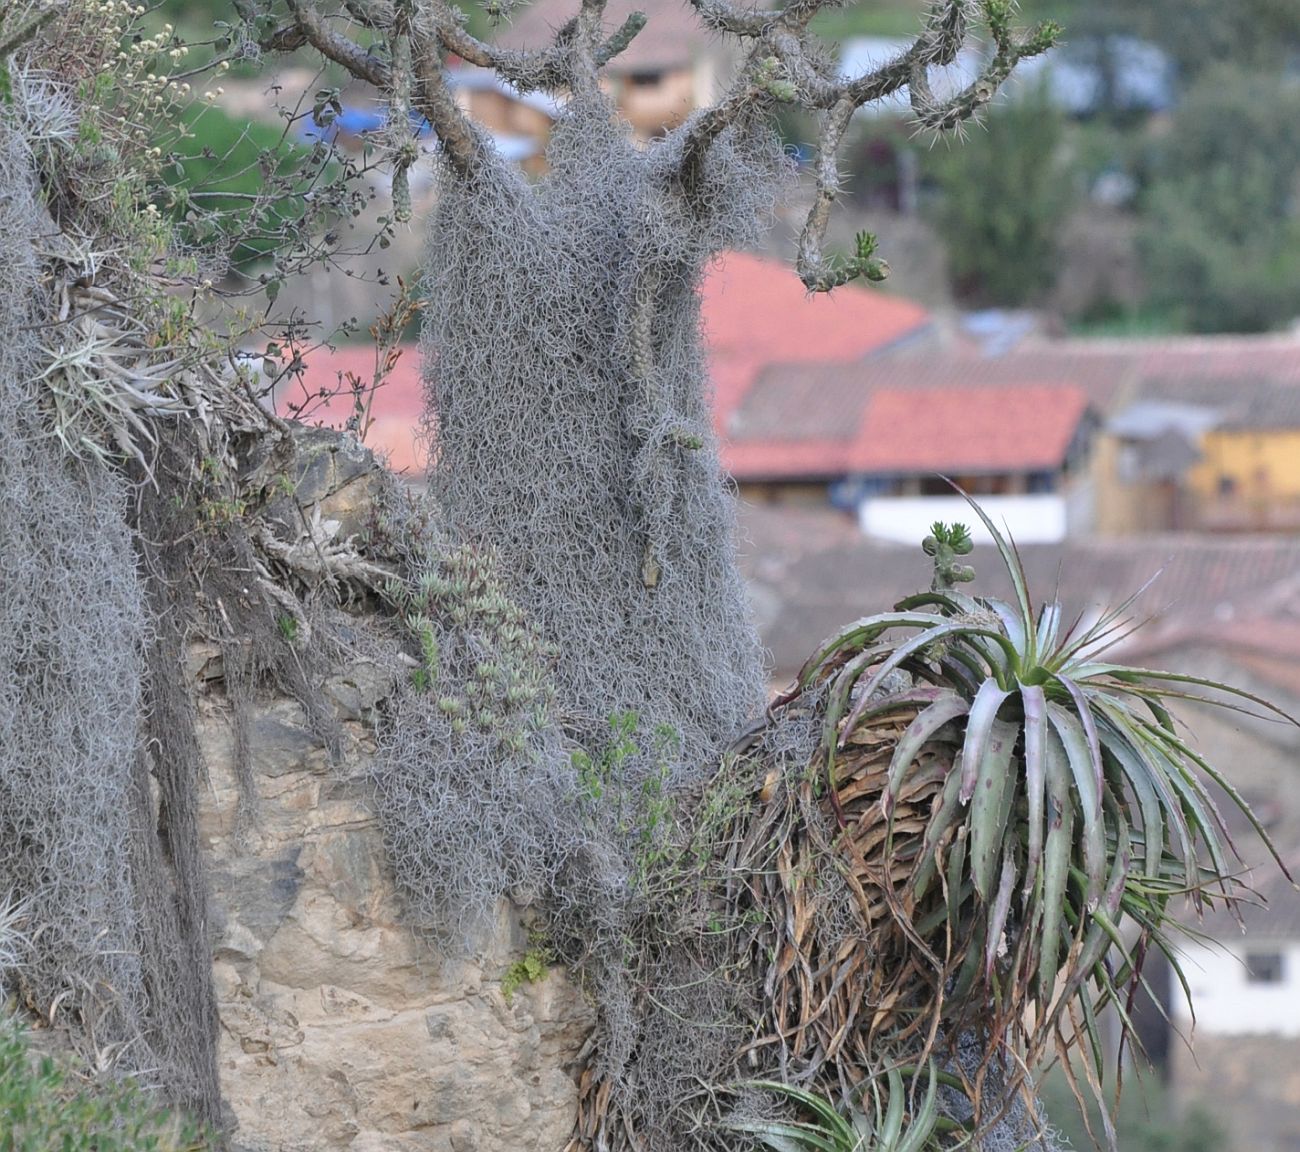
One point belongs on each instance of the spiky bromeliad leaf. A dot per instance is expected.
(1070, 805)
(886, 1128)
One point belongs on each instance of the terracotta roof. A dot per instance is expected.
(672, 36)
(997, 429)
(819, 397)
(893, 431)
(798, 414)
(757, 313)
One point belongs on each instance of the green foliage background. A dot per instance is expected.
(44, 1108)
(1005, 196)
(1221, 231)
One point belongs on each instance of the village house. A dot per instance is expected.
(1131, 437)
(672, 67)
(1218, 451)
(891, 456)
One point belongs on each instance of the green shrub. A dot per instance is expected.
(229, 180)
(1221, 230)
(1006, 196)
(44, 1109)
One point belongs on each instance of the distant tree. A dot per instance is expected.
(1197, 33)
(1005, 197)
(1221, 237)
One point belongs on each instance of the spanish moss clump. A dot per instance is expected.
(79, 826)
(572, 434)
(470, 774)
(570, 415)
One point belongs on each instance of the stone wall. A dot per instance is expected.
(338, 1029)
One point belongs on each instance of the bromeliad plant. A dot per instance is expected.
(887, 1126)
(1003, 871)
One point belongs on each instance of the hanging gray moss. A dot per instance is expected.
(569, 411)
(117, 945)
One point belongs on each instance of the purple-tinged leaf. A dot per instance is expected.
(979, 725)
(1035, 705)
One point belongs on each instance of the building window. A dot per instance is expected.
(1227, 486)
(644, 79)
(1264, 967)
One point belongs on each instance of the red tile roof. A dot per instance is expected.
(795, 415)
(1000, 429)
(757, 313)
(1112, 372)
(892, 431)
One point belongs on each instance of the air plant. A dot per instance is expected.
(1070, 806)
(887, 1127)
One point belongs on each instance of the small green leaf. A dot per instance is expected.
(995, 789)
(1070, 730)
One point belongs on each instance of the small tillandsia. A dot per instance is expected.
(1072, 808)
(886, 1127)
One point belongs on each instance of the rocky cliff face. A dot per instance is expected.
(339, 1030)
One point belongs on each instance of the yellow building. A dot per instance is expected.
(1216, 454)
(1248, 478)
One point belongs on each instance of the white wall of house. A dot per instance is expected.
(1242, 988)
(1037, 519)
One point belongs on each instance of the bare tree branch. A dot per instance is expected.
(722, 16)
(619, 41)
(336, 47)
(938, 45)
(541, 69)
(701, 131)
(782, 66)
(459, 138)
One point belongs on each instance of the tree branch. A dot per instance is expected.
(336, 47)
(700, 132)
(619, 41)
(938, 45)
(723, 16)
(456, 133)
